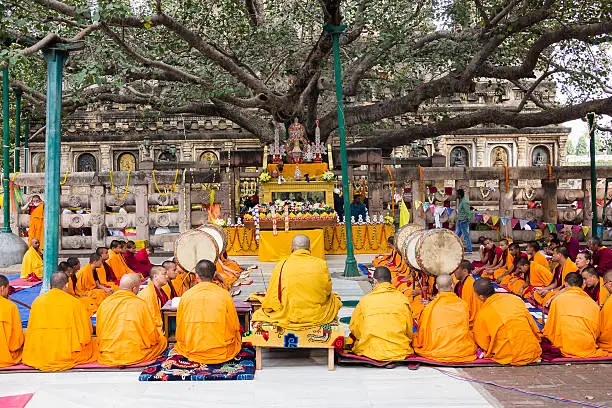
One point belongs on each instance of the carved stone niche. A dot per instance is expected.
(97, 219)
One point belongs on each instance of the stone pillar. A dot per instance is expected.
(142, 211)
(98, 210)
(375, 192)
(187, 152)
(106, 160)
(587, 207)
(506, 202)
(222, 196)
(481, 151)
(417, 213)
(184, 204)
(233, 177)
(549, 201)
(65, 159)
(522, 150)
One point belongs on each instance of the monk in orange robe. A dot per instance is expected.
(32, 263)
(501, 263)
(393, 261)
(464, 289)
(535, 255)
(207, 326)
(605, 339)
(574, 321)
(504, 328)
(411, 287)
(153, 295)
(564, 266)
(116, 260)
(36, 208)
(88, 286)
(594, 285)
(125, 328)
(171, 289)
(228, 272)
(515, 255)
(105, 273)
(59, 330)
(527, 272)
(444, 328)
(11, 333)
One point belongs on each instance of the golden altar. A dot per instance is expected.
(273, 191)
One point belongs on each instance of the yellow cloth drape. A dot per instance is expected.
(117, 263)
(404, 214)
(149, 295)
(274, 248)
(313, 170)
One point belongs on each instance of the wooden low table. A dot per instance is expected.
(244, 310)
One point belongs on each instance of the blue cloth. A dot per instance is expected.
(462, 230)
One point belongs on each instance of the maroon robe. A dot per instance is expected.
(573, 247)
(136, 265)
(602, 259)
(593, 292)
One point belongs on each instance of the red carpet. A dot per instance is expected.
(15, 401)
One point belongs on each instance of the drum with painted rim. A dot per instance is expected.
(438, 251)
(194, 245)
(403, 233)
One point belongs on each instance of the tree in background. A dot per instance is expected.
(570, 149)
(582, 148)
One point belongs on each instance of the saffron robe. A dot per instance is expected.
(37, 224)
(229, 271)
(602, 259)
(59, 333)
(605, 339)
(117, 263)
(444, 331)
(405, 285)
(32, 263)
(107, 277)
(151, 297)
(87, 289)
(508, 264)
(558, 277)
(506, 332)
(598, 293)
(299, 294)
(538, 276)
(138, 262)
(382, 325)
(394, 262)
(540, 259)
(126, 331)
(573, 324)
(465, 291)
(207, 326)
(11, 334)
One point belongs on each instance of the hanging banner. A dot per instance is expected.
(494, 219)
(425, 207)
(576, 229)
(513, 222)
(551, 227)
(585, 230)
(524, 224)
(486, 218)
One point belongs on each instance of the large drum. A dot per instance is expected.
(218, 233)
(194, 245)
(436, 252)
(402, 234)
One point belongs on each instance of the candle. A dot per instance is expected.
(265, 158)
(329, 157)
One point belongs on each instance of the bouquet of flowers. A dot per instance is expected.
(264, 177)
(389, 220)
(328, 176)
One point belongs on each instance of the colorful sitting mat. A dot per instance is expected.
(176, 367)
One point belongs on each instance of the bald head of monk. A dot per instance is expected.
(300, 242)
(382, 274)
(95, 261)
(444, 283)
(573, 279)
(590, 277)
(484, 289)
(607, 278)
(35, 243)
(59, 280)
(159, 276)
(130, 282)
(4, 286)
(205, 270)
(463, 270)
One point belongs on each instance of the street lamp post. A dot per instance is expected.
(591, 121)
(350, 268)
(16, 159)
(6, 204)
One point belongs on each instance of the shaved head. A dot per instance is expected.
(59, 280)
(4, 286)
(444, 283)
(484, 287)
(4, 280)
(129, 281)
(300, 242)
(382, 274)
(608, 276)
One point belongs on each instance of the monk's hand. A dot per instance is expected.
(108, 290)
(416, 292)
(425, 301)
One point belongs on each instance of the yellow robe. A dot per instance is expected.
(153, 304)
(299, 294)
(117, 262)
(382, 325)
(605, 339)
(87, 290)
(540, 259)
(470, 298)
(59, 333)
(538, 276)
(506, 332)
(444, 331)
(11, 334)
(32, 263)
(603, 293)
(126, 331)
(394, 262)
(500, 271)
(104, 281)
(573, 324)
(37, 225)
(568, 267)
(207, 326)
(229, 271)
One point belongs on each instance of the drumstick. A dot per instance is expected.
(21, 303)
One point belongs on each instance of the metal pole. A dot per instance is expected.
(350, 268)
(591, 121)
(6, 204)
(55, 65)
(26, 140)
(16, 159)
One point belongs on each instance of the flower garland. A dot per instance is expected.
(65, 178)
(274, 229)
(264, 177)
(328, 176)
(171, 188)
(127, 186)
(286, 215)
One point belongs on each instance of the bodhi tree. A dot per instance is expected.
(261, 62)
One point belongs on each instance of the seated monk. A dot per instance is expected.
(59, 330)
(105, 273)
(299, 294)
(535, 255)
(504, 328)
(228, 272)
(116, 260)
(464, 289)
(393, 261)
(153, 295)
(138, 261)
(515, 255)
(564, 265)
(171, 289)
(72, 278)
(482, 251)
(125, 328)
(492, 256)
(411, 287)
(382, 321)
(32, 264)
(573, 324)
(88, 287)
(605, 339)
(504, 262)
(594, 285)
(602, 256)
(207, 327)
(527, 276)
(11, 333)
(444, 328)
